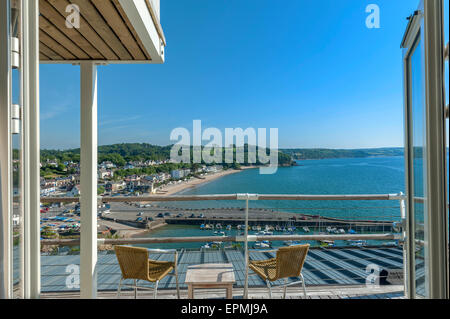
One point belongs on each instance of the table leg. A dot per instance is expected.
(230, 292)
(190, 291)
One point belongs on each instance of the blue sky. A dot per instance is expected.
(309, 68)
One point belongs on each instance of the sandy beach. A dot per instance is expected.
(194, 182)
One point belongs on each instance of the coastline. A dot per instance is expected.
(133, 232)
(168, 190)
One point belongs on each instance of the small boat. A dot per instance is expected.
(341, 231)
(358, 243)
(202, 226)
(277, 228)
(351, 231)
(262, 244)
(326, 243)
(264, 233)
(306, 229)
(228, 227)
(214, 244)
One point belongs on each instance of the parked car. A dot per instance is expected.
(140, 214)
(192, 216)
(166, 214)
(160, 215)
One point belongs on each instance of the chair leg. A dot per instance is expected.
(120, 286)
(135, 289)
(270, 289)
(303, 284)
(285, 288)
(178, 287)
(156, 289)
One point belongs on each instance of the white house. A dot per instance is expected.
(102, 174)
(47, 190)
(74, 192)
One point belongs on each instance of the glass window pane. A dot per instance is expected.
(419, 164)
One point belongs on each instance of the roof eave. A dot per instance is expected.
(146, 26)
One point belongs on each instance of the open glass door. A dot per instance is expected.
(425, 153)
(415, 159)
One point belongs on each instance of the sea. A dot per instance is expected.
(373, 175)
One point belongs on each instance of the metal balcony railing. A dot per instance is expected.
(334, 262)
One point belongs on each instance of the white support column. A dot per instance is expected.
(88, 197)
(5, 152)
(405, 236)
(436, 203)
(31, 149)
(25, 261)
(34, 149)
(246, 250)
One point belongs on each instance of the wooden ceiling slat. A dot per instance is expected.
(131, 28)
(113, 18)
(105, 32)
(49, 52)
(43, 57)
(58, 20)
(55, 46)
(89, 12)
(85, 31)
(58, 36)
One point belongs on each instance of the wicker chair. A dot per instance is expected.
(135, 264)
(287, 263)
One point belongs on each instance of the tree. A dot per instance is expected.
(100, 190)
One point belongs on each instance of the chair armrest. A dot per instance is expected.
(166, 251)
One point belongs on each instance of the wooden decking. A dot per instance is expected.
(324, 267)
(329, 292)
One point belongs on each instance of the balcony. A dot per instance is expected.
(339, 271)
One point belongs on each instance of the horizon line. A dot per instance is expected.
(279, 148)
